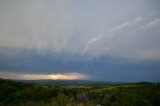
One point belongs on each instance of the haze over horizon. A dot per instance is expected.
(104, 40)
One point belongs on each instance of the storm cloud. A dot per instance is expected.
(105, 40)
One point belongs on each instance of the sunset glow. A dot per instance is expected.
(70, 76)
(66, 76)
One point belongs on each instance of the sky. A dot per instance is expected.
(101, 40)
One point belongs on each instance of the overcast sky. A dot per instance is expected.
(111, 40)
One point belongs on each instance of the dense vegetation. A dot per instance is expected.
(82, 94)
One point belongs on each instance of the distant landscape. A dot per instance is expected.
(78, 93)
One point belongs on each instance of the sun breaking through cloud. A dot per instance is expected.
(57, 76)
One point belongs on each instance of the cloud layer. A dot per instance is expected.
(63, 32)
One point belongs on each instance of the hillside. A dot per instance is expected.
(78, 94)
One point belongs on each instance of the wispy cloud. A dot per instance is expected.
(121, 39)
(110, 34)
(152, 23)
(120, 26)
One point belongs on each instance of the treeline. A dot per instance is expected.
(28, 94)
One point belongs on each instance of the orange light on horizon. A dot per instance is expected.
(58, 76)
(71, 76)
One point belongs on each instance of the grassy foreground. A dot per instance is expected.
(82, 94)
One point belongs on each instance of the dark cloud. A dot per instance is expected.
(104, 68)
(108, 40)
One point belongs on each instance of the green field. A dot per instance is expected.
(78, 94)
